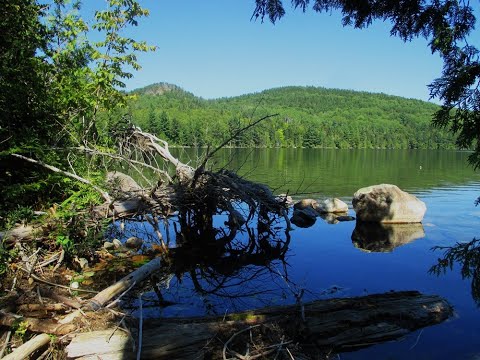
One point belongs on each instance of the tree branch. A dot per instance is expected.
(65, 173)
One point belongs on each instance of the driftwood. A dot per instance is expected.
(124, 284)
(36, 325)
(334, 324)
(25, 350)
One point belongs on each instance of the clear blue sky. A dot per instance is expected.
(212, 49)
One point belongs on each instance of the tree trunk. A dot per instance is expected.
(335, 324)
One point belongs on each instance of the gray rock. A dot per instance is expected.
(107, 245)
(332, 206)
(117, 244)
(134, 243)
(387, 204)
(122, 182)
(305, 203)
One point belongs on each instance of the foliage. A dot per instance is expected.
(467, 255)
(308, 117)
(58, 69)
(446, 24)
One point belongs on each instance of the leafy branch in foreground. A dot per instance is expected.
(467, 255)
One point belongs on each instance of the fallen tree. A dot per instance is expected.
(324, 325)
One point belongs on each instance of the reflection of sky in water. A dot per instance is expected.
(323, 257)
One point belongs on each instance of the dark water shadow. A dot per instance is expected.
(378, 237)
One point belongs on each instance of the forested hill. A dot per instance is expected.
(308, 117)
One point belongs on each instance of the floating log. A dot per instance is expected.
(334, 324)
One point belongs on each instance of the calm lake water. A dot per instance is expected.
(324, 261)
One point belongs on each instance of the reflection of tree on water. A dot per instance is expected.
(467, 255)
(232, 266)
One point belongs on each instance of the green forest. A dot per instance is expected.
(308, 117)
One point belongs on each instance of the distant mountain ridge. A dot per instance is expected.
(308, 117)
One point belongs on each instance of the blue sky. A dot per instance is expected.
(213, 49)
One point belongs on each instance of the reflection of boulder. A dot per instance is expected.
(304, 218)
(332, 206)
(388, 204)
(329, 218)
(378, 237)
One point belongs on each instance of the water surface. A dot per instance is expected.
(323, 261)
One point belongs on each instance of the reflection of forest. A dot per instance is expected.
(467, 257)
(342, 172)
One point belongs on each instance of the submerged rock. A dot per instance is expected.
(304, 217)
(332, 206)
(388, 204)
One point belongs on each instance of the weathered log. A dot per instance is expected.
(32, 345)
(36, 325)
(335, 324)
(124, 284)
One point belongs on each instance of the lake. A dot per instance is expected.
(322, 261)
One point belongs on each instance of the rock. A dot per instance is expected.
(345, 218)
(82, 262)
(388, 204)
(305, 203)
(117, 244)
(122, 182)
(380, 237)
(134, 243)
(304, 218)
(235, 218)
(332, 206)
(107, 245)
(285, 199)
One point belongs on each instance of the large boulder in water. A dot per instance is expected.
(387, 204)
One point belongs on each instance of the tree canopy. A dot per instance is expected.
(58, 68)
(447, 26)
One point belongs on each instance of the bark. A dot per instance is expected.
(334, 324)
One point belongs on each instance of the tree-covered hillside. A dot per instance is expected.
(307, 117)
